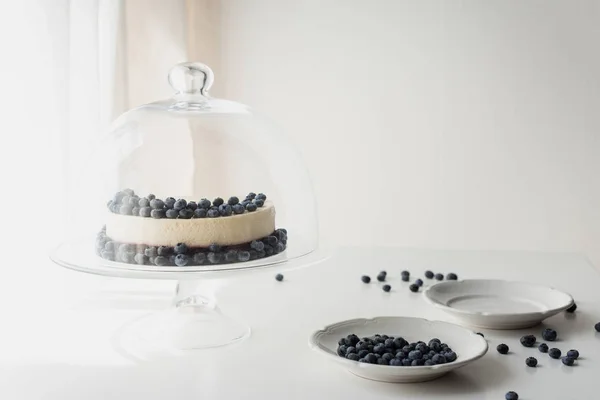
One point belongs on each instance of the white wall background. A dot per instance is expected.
(443, 124)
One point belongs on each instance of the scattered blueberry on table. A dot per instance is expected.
(511, 396)
(531, 362)
(405, 276)
(572, 308)
(554, 353)
(414, 288)
(597, 327)
(568, 361)
(365, 279)
(386, 288)
(279, 277)
(543, 348)
(549, 334)
(439, 277)
(428, 274)
(451, 277)
(574, 354)
(381, 276)
(502, 348)
(528, 340)
(419, 282)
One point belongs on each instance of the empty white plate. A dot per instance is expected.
(497, 304)
(466, 344)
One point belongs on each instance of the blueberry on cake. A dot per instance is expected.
(179, 232)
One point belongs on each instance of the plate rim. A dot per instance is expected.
(538, 314)
(314, 345)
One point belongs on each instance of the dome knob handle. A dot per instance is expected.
(191, 78)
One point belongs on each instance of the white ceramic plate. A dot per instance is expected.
(466, 344)
(497, 304)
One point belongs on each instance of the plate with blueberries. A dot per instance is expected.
(398, 349)
(497, 304)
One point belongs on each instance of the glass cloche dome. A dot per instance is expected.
(193, 183)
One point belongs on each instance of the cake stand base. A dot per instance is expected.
(194, 322)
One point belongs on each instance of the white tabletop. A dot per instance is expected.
(56, 339)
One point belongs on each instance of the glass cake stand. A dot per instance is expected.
(194, 321)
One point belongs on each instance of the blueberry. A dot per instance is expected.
(572, 308)
(192, 205)
(261, 196)
(271, 240)
(528, 340)
(405, 278)
(549, 334)
(151, 197)
(151, 251)
(428, 274)
(225, 210)
(251, 207)
(231, 256)
(143, 202)
(353, 357)
(353, 339)
(145, 212)
(401, 354)
(107, 255)
(214, 258)
(387, 356)
(415, 355)
(451, 356)
(363, 360)
(180, 205)
(233, 201)
(342, 350)
(161, 261)
(170, 202)
(439, 277)
(118, 197)
(554, 353)
(543, 348)
(371, 358)
(451, 277)
(199, 258)
(180, 248)
(438, 359)
(181, 260)
(133, 201)
(363, 353)
(399, 342)
(419, 282)
(362, 345)
(417, 363)
(531, 362)
(568, 361)
(200, 213)
(164, 251)
(364, 278)
(381, 277)
(597, 327)
(186, 213)
(257, 245)
(158, 213)
(428, 363)
(172, 214)
(407, 349)
(238, 209)
(212, 213)
(217, 202)
(140, 258)
(125, 200)
(386, 288)
(215, 248)
(243, 256)
(573, 354)
(405, 273)
(480, 334)
(251, 195)
(125, 210)
(389, 343)
(350, 349)
(414, 288)
(422, 347)
(511, 396)
(258, 202)
(407, 362)
(379, 349)
(204, 203)
(128, 192)
(435, 340)
(502, 348)
(279, 277)
(253, 254)
(435, 346)
(157, 204)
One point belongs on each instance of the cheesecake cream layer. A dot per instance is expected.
(195, 232)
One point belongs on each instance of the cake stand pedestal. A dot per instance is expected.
(194, 321)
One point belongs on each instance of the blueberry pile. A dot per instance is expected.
(126, 202)
(597, 327)
(394, 351)
(181, 255)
